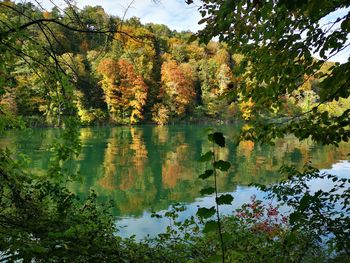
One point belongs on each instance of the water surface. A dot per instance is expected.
(148, 168)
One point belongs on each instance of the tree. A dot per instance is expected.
(278, 40)
(134, 91)
(178, 86)
(216, 79)
(40, 219)
(125, 91)
(109, 69)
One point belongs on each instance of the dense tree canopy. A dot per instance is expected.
(279, 41)
(121, 72)
(261, 69)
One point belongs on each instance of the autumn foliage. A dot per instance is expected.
(177, 86)
(125, 91)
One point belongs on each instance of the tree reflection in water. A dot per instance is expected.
(149, 167)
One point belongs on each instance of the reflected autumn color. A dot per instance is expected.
(109, 166)
(149, 167)
(160, 134)
(124, 159)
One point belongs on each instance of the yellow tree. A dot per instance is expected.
(109, 69)
(125, 91)
(133, 89)
(177, 86)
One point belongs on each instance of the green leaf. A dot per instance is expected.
(206, 212)
(305, 200)
(210, 226)
(206, 174)
(225, 199)
(345, 25)
(215, 258)
(206, 157)
(227, 237)
(207, 191)
(218, 138)
(294, 217)
(222, 165)
(192, 38)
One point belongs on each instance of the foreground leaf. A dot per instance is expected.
(206, 212)
(207, 156)
(218, 138)
(222, 165)
(207, 191)
(206, 174)
(225, 199)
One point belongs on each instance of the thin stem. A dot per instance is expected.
(217, 212)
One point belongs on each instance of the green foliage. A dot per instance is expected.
(207, 191)
(256, 232)
(217, 138)
(277, 41)
(315, 230)
(168, 76)
(259, 233)
(222, 165)
(207, 156)
(41, 220)
(206, 212)
(319, 212)
(48, 69)
(206, 174)
(225, 199)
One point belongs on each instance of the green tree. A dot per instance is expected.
(278, 40)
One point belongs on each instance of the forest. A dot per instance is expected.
(148, 73)
(121, 103)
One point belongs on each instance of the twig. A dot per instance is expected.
(218, 212)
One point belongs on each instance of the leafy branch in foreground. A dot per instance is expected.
(278, 41)
(216, 138)
(320, 206)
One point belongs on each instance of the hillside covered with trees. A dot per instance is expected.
(147, 73)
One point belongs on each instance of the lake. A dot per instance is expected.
(148, 168)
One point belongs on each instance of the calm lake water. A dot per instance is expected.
(148, 168)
